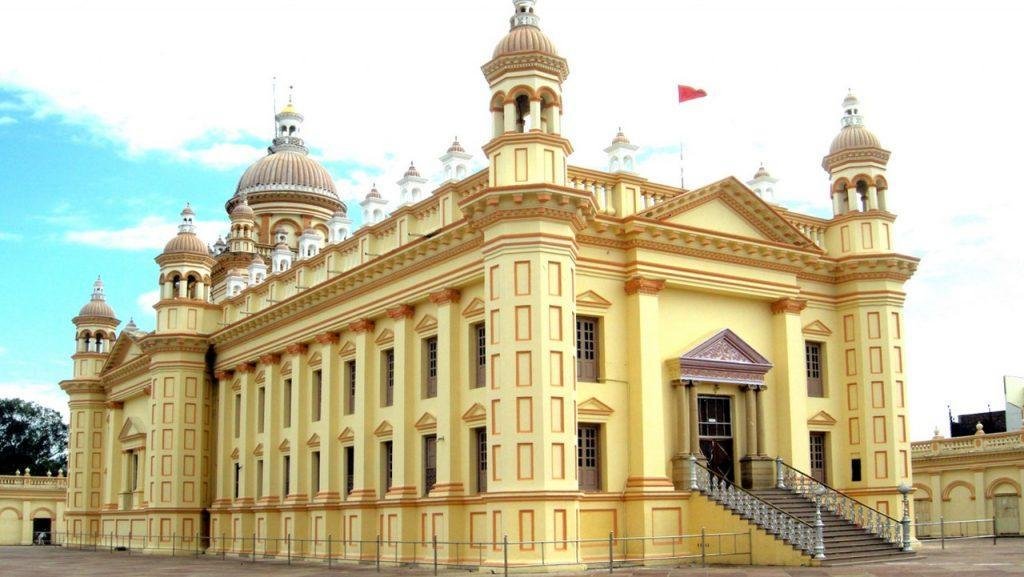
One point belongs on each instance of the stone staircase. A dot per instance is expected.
(845, 542)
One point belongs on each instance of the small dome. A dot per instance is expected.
(854, 136)
(455, 147)
(525, 39)
(257, 259)
(762, 172)
(373, 193)
(186, 243)
(97, 308)
(411, 171)
(287, 170)
(620, 138)
(243, 210)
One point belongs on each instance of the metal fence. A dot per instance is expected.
(960, 529)
(613, 552)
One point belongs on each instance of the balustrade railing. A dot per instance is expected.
(839, 504)
(790, 529)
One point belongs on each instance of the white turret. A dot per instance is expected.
(338, 227)
(621, 154)
(236, 281)
(281, 257)
(412, 186)
(257, 270)
(455, 162)
(309, 243)
(763, 184)
(373, 207)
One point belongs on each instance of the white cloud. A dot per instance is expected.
(7, 120)
(146, 301)
(46, 394)
(10, 236)
(3, 350)
(151, 233)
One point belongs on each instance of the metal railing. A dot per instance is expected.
(609, 553)
(960, 529)
(839, 504)
(792, 530)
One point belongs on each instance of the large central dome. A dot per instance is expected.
(287, 170)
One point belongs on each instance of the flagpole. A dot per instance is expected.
(682, 174)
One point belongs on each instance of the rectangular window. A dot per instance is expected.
(478, 346)
(316, 393)
(350, 387)
(387, 378)
(588, 457)
(430, 367)
(314, 474)
(855, 469)
(286, 485)
(286, 418)
(350, 469)
(134, 479)
(480, 458)
(259, 478)
(815, 378)
(238, 414)
(586, 349)
(429, 463)
(238, 478)
(387, 456)
(261, 407)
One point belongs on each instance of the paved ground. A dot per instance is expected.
(975, 558)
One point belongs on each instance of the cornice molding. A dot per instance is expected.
(642, 285)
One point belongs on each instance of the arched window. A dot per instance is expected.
(86, 341)
(99, 342)
(615, 164)
(862, 193)
(629, 163)
(175, 286)
(190, 289)
(522, 113)
(460, 171)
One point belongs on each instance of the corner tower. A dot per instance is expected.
(525, 76)
(856, 164)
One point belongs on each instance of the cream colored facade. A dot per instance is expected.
(460, 321)
(29, 505)
(970, 478)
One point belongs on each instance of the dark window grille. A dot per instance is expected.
(480, 355)
(350, 469)
(429, 463)
(350, 387)
(389, 378)
(715, 417)
(481, 460)
(430, 346)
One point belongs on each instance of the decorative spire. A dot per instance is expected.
(187, 216)
(851, 111)
(288, 131)
(524, 15)
(97, 290)
(130, 327)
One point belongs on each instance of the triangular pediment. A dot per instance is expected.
(594, 407)
(258, 450)
(475, 413)
(475, 308)
(347, 348)
(724, 358)
(313, 441)
(285, 446)
(427, 422)
(347, 436)
(131, 430)
(427, 324)
(729, 208)
(386, 336)
(817, 328)
(124, 350)
(822, 418)
(316, 359)
(592, 299)
(384, 429)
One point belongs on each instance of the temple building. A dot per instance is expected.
(534, 350)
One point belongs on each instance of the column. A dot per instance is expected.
(752, 424)
(400, 414)
(112, 455)
(759, 402)
(364, 485)
(852, 203)
(331, 399)
(790, 396)
(872, 198)
(645, 388)
(449, 450)
(691, 389)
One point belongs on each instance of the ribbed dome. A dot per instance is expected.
(620, 138)
(186, 242)
(287, 170)
(855, 136)
(411, 171)
(97, 308)
(525, 39)
(455, 147)
(243, 210)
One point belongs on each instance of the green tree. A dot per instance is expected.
(32, 436)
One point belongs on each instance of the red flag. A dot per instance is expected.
(690, 93)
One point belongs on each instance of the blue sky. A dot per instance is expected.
(104, 136)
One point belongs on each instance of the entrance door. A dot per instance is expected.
(818, 457)
(42, 531)
(1007, 509)
(714, 419)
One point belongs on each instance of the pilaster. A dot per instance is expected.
(790, 392)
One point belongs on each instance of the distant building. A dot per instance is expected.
(1013, 389)
(965, 425)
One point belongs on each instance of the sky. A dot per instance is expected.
(114, 114)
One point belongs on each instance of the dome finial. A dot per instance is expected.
(524, 15)
(187, 215)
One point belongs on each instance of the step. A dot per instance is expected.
(865, 556)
